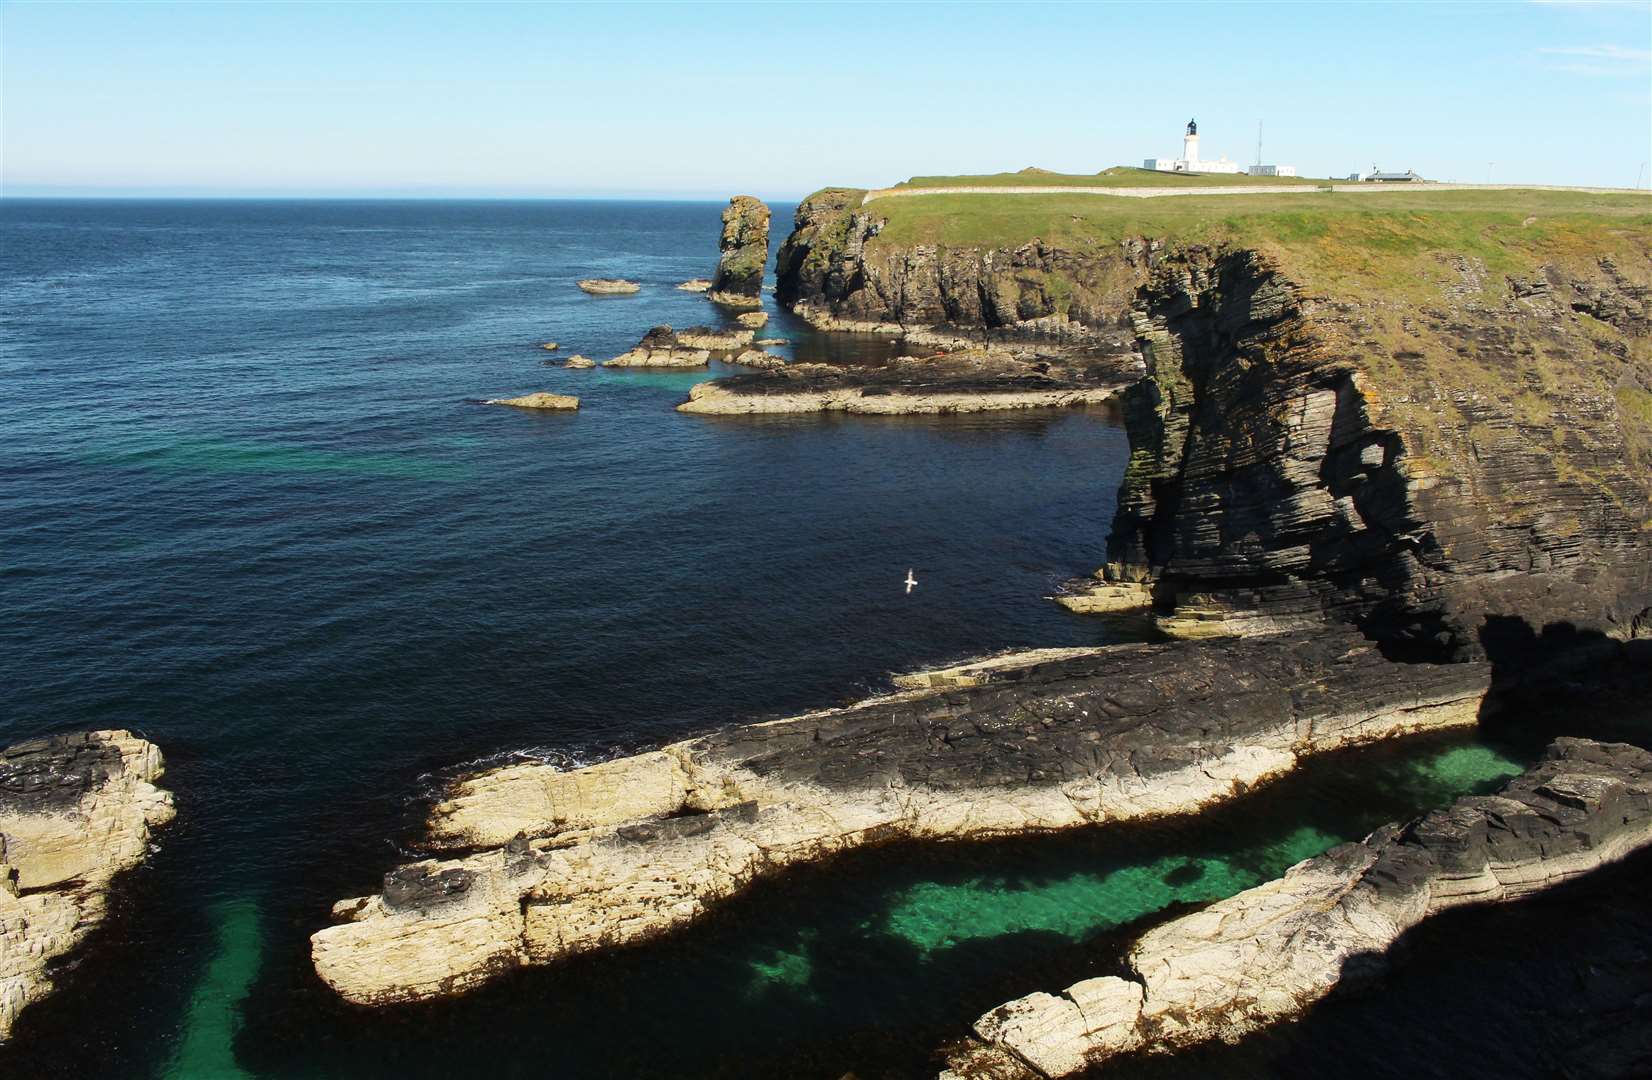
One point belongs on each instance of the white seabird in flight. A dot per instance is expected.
(910, 581)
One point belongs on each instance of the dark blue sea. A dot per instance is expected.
(251, 507)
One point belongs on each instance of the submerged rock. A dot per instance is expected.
(1268, 953)
(540, 400)
(75, 811)
(609, 286)
(744, 248)
(628, 849)
(661, 347)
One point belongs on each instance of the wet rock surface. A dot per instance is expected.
(1268, 953)
(628, 849)
(75, 811)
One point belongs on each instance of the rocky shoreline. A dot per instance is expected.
(964, 382)
(1267, 954)
(547, 864)
(76, 811)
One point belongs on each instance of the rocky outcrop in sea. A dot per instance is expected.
(75, 812)
(540, 400)
(547, 863)
(661, 347)
(1269, 953)
(609, 286)
(744, 254)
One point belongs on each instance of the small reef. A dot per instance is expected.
(76, 811)
(1268, 953)
(541, 400)
(609, 286)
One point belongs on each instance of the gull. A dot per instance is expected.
(910, 581)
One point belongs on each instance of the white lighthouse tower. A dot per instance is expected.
(1190, 147)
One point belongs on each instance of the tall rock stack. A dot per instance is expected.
(745, 253)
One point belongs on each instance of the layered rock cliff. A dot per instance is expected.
(1408, 441)
(1268, 953)
(75, 811)
(743, 254)
(543, 864)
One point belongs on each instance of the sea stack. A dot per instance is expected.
(744, 254)
(75, 811)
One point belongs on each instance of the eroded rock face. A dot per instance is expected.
(1268, 953)
(558, 863)
(1420, 467)
(661, 347)
(744, 254)
(1282, 471)
(75, 811)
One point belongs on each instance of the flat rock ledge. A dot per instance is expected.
(75, 811)
(537, 864)
(609, 286)
(540, 400)
(698, 284)
(1268, 953)
(976, 380)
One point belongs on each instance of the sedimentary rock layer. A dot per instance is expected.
(1268, 953)
(547, 863)
(609, 286)
(1423, 457)
(660, 347)
(972, 381)
(75, 811)
(744, 254)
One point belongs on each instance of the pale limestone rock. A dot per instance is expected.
(757, 358)
(711, 398)
(577, 362)
(662, 347)
(540, 400)
(550, 346)
(698, 285)
(1270, 952)
(625, 850)
(75, 811)
(609, 286)
(716, 340)
(754, 320)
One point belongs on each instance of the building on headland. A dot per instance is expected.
(1191, 162)
(1376, 176)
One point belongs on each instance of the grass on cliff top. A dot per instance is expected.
(1117, 176)
(1329, 239)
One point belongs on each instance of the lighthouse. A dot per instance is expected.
(1190, 146)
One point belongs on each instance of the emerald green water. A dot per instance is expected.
(237, 457)
(207, 1048)
(940, 914)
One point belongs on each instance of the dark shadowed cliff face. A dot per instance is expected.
(1419, 460)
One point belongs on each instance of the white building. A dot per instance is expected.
(1190, 162)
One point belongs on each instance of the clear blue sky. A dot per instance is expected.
(705, 100)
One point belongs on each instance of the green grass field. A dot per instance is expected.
(1330, 238)
(1118, 176)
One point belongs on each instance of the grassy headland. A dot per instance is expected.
(1122, 176)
